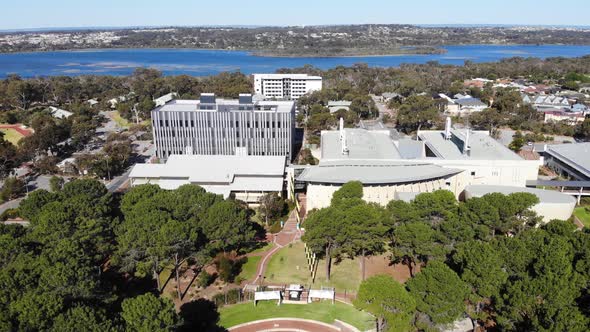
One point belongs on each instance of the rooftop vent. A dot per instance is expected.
(207, 98)
(448, 128)
(245, 98)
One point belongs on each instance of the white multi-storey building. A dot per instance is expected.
(213, 126)
(285, 86)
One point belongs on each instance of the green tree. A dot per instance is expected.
(56, 183)
(517, 142)
(480, 265)
(8, 157)
(227, 226)
(388, 301)
(148, 313)
(417, 112)
(271, 206)
(439, 293)
(82, 318)
(324, 234)
(363, 225)
(414, 242)
(349, 190)
(36, 310)
(12, 188)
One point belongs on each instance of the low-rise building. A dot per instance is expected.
(337, 105)
(161, 101)
(384, 166)
(246, 178)
(59, 113)
(395, 168)
(570, 161)
(571, 118)
(552, 204)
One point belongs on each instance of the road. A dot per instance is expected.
(34, 183)
(118, 181)
(381, 107)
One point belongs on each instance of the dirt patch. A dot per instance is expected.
(381, 265)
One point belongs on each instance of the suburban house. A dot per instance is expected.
(336, 105)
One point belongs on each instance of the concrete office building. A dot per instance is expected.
(387, 168)
(214, 126)
(484, 159)
(393, 168)
(285, 86)
(245, 177)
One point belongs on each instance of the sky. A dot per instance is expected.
(26, 14)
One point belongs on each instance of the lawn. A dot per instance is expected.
(11, 135)
(122, 122)
(262, 249)
(289, 266)
(583, 215)
(249, 268)
(320, 311)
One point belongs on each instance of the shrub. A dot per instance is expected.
(232, 296)
(8, 214)
(276, 227)
(205, 279)
(228, 268)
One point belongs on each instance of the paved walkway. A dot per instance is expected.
(287, 235)
(291, 325)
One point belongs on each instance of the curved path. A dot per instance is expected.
(286, 325)
(287, 235)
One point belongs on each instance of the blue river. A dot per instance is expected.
(208, 62)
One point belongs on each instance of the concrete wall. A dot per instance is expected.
(495, 172)
(320, 195)
(547, 209)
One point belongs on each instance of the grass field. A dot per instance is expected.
(583, 215)
(264, 248)
(11, 135)
(289, 266)
(320, 311)
(122, 122)
(249, 268)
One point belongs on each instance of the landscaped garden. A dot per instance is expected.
(583, 213)
(320, 311)
(248, 271)
(289, 266)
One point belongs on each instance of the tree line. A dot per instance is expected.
(90, 260)
(486, 259)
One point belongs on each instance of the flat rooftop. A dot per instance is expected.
(281, 76)
(189, 105)
(576, 155)
(212, 168)
(482, 146)
(361, 143)
(374, 172)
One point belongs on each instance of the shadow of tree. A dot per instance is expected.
(200, 315)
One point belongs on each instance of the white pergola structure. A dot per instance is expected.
(268, 295)
(324, 293)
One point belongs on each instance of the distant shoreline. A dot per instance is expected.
(442, 49)
(257, 53)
